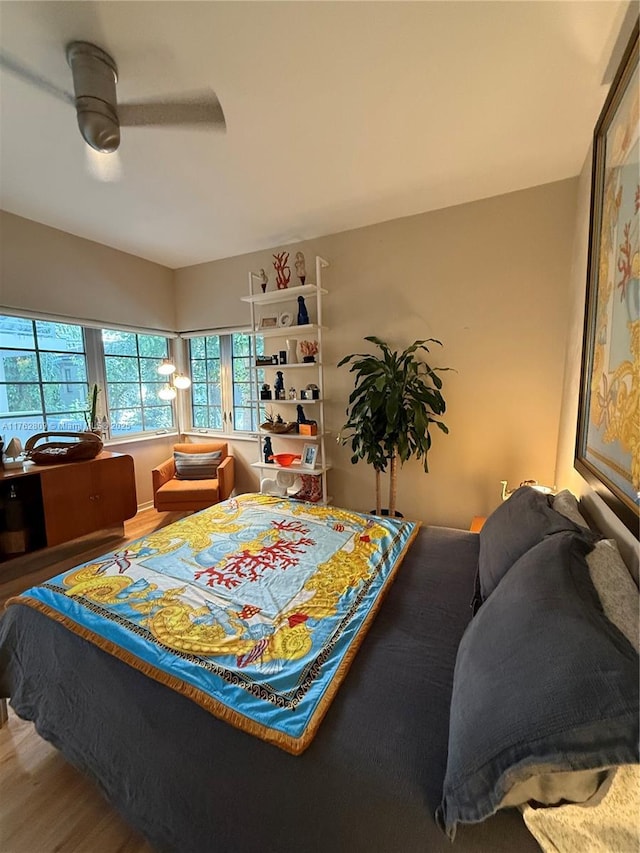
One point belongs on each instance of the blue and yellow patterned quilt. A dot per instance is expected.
(253, 608)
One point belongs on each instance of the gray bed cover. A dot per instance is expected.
(370, 781)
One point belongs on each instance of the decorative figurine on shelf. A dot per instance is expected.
(267, 451)
(302, 419)
(309, 350)
(303, 314)
(292, 393)
(283, 273)
(264, 280)
(265, 392)
(278, 386)
(301, 270)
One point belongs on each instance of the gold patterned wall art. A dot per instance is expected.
(608, 436)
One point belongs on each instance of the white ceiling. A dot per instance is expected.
(339, 114)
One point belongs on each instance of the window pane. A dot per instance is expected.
(215, 418)
(21, 427)
(16, 332)
(200, 416)
(196, 348)
(215, 396)
(241, 344)
(213, 370)
(149, 370)
(243, 419)
(158, 417)
(259, 345)
(119, 343)
(242, 394)
(59, 367)
(64, 398)
(213, 346)
(18, 366)
(199, 371)
(241, 370)
(23, 399)
(123, 396)
(121, 369)
(199, 394)
(153, 346)
(67, 422)
(126, 421)
(60, 337)
(149, 392)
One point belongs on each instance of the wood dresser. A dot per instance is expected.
(59, 503)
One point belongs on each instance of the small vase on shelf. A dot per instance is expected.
(292, 351)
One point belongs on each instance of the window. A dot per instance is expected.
(47, 368)
(43, 377)
(222, 379)
(131, 367)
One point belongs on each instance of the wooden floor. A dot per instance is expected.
(46, 806)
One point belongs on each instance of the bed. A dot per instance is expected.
(371, 779)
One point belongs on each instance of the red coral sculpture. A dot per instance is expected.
(283, 273)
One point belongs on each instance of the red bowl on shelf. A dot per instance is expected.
(285, 459)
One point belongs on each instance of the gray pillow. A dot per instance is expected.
(517, 525)
(543, 684)
(616, 589)
(197, 466)
(567, 504)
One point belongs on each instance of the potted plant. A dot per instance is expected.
(391, 409)
(91, 417)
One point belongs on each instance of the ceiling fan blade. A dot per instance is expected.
(197, 109)
(15, 67)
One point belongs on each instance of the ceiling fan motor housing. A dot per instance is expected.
(94, 82)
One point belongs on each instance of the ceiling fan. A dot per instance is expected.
(100, 117)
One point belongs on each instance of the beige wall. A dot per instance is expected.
(44, 269)
(49, 271)
(489, 279)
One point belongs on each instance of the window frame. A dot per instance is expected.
(171, 406)
(226, 381)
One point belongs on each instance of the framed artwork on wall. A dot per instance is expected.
(608, 434)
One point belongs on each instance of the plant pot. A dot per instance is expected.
(308, 359)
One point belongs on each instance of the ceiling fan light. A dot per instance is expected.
(103, 167)
(94, 84)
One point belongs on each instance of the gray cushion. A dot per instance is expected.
(616, 589)
(516, 526)
(197, 466)
(567, 504)
(543, 684)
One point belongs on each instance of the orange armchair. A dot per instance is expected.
(172, 494)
